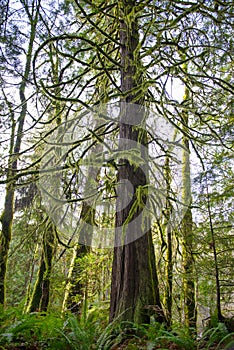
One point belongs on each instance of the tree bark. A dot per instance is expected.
(134, 286)
(7, 215)
(41, 292)
(168, 234)
(75, 293)
(215, 255)
(75, 288)
(190, 313)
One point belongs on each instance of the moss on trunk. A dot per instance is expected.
(15, 145)
(190, 314)
(40, 297)
(134, 287)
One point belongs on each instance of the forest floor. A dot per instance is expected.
(52, 332)
(130, 344)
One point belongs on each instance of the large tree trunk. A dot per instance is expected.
(134, 288)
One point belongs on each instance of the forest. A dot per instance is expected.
(116, 174)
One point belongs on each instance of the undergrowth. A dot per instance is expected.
(38, 331)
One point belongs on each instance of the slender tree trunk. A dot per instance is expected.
(134, 285)
(190, 313)
(39, 300)
(188, 266)
(6, 219)
(40, 297)
(7, 215)
(76, 287)
(29, 285)
(168, 231)
(217, 282)
(75, 293)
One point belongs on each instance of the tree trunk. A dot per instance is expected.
(75, 293)
(134, 286)
(6, 219)
(190, 313)
(215, 255)
(40, 297)
(168, 232)
(188, 267)
(75, 288)
(7, 215)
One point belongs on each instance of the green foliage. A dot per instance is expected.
(51, 331)
(23, 254)
(126, 335)
(91, 265)
(38, 329)
(153, 336)
(83, 64)
(81, 334)
(116, 333)
(97, 313)
(179, 336)
(216, 336)
(78, 337)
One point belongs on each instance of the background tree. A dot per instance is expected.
(15, 147)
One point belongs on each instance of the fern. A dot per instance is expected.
(212, 336)
(79, 338)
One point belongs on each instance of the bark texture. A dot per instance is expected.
(76, 286)
(41, 292)
(169, 246)
(190, 313)
(134, 289)
(15, 145)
